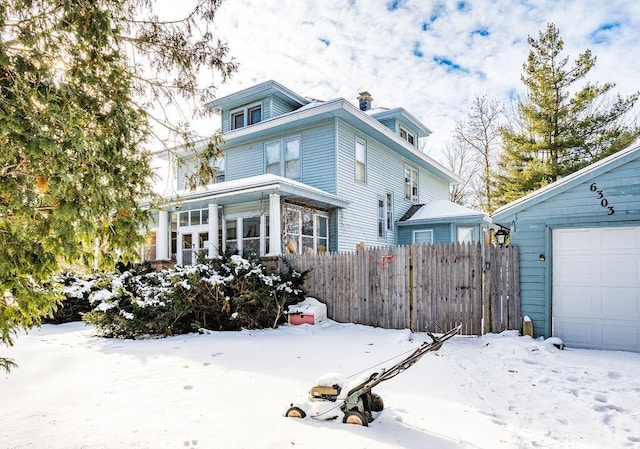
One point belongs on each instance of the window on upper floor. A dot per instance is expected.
(188, 171)
(282, 158)
(237, 120)
(360, 161)
(411, 183)
(292, 158)
(408, 136)
(254, 115)
(249, 115)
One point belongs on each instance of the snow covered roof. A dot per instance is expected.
(440, 211)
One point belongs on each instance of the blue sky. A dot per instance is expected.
(431, 57)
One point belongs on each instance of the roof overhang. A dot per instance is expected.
(258, 188)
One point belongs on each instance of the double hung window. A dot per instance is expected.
(385, 215)
(411, 183)
(282, 158)
(361, 161)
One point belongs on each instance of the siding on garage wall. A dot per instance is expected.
(385, 173)
(531, 238)
(577, 206)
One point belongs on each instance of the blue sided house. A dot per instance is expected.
(304, 176)
(579, 245)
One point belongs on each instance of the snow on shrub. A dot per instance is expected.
(75, 293)
(228, 293)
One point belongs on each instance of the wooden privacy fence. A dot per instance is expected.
(421, 287)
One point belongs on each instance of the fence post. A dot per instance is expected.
(487, 295)
(412, 324)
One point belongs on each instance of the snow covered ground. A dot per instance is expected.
(230, 390)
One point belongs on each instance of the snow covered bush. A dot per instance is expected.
(75, 297)
(228, 293)
(133, 303)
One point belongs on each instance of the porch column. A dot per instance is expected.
(214, 251)
(162, 236)
(275, 225)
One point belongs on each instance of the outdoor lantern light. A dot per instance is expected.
(501, 237)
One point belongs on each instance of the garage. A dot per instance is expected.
(596, 287)
(578, 241)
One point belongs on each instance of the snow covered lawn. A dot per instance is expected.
(230, 390)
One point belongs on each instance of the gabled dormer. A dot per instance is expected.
(256, 104)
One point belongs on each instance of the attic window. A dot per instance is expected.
(254, 115)
(246, 116)
(408, 136)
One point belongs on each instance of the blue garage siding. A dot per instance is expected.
(582, 200)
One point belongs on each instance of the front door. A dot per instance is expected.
(193, 245)
(187, 249)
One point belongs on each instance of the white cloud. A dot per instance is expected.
(337, 48)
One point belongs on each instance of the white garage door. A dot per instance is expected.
(596, 287)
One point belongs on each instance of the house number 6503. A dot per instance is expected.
(603, 201)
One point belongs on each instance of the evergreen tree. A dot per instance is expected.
(559, 127)
(79, 79)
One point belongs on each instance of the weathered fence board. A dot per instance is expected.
(422, 287)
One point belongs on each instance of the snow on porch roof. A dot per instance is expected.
(440, 211)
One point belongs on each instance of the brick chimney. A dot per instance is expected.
(365, 100)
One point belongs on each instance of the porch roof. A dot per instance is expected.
(256, 188)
